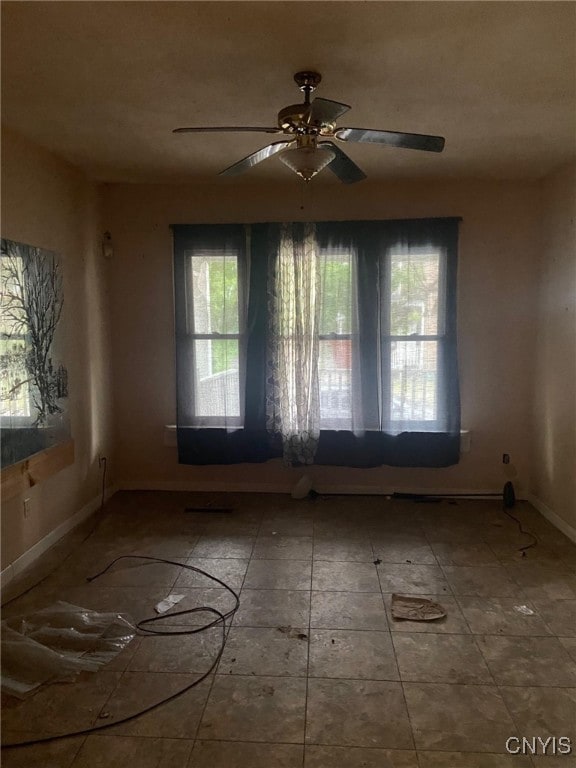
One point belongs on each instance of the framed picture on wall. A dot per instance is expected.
(33, 377)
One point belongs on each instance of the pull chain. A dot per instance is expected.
(306, 194)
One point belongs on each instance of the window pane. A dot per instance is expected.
(336, 297)
(215, 294)
(217, 384)
(414, 294)
(414, 381)
(334, 373)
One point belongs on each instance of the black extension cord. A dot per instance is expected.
(508, 501)
(221, 618)
(143, 625)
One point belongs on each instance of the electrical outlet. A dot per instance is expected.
(27, 505)
(505, 458)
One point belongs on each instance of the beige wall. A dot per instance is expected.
(47, 203)
(497, 293)
(554, 437)
(504, 273)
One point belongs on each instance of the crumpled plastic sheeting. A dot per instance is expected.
(56, 643)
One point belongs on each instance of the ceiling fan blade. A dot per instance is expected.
(342, 166)
(240, 129)
(256, 157)
(324, 111)
(392, 138)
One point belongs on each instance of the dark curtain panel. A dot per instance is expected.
(263, 243)
(405, 365)
(412, 422)
(212, 284)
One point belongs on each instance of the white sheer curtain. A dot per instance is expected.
(293, 397)
(314, 376)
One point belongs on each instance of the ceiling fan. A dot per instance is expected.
(311, 128)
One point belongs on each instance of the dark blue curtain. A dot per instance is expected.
(255, 246)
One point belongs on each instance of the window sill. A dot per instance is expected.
(170, 439)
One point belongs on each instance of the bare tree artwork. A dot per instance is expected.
(32, 304)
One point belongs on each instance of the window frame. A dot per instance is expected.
(396, 426)
(222, 421)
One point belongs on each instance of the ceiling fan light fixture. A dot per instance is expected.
(307, 161)
(308, 130)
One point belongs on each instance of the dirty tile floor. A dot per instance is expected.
(315, 672)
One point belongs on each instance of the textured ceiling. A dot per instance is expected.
(103, 83)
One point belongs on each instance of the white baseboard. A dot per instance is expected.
(204, 486)
(370, 490)
(6, 576)
(551, 516)
(344, 489)
(15, 568)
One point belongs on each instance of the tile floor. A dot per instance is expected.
(316, 672)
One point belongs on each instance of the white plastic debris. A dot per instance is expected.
(56, 643)
(302, 487)
(168, 602)
(524, 609)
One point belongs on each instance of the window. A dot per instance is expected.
(414, 327)
(215, 332)
(209, 288)
(288, 332)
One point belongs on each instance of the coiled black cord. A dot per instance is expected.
(221, 618)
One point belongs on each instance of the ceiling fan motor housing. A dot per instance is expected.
(292, 119)
(296, 117)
